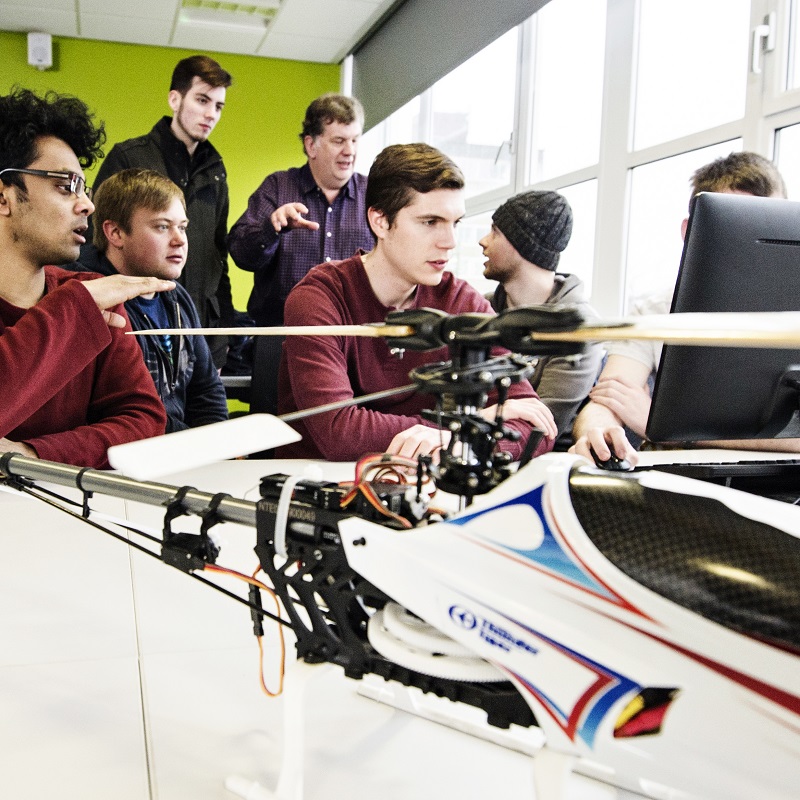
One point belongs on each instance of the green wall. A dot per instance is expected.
(127, 85)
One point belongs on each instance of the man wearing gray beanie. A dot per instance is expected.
(522, 249)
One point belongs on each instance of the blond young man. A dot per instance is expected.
(141, 230)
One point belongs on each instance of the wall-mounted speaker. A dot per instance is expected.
(40, 50)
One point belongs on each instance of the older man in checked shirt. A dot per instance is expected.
(308, 215)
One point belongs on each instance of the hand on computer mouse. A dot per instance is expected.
(613, 462)
(598, 443)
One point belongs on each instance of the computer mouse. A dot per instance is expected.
(614, 463)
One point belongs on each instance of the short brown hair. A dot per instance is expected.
(402, 169)
(126, 192)
(328, 108)
(740, 172)
(203, 67)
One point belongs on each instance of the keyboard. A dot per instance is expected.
(720, 470)
(777, 479)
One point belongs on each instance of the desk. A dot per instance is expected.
(122, 679)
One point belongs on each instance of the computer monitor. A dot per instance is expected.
(741, 253)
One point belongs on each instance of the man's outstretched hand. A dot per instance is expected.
(110, 291)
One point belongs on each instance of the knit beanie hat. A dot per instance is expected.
(538, 224)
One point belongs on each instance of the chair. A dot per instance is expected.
(264, 385)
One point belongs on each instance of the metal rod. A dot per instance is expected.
(351, 401)
(116, 485)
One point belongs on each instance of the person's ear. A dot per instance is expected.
(310, 146)
(5, 205)
(114, 233)
(174, 99)
(684, 226)
(378, 222)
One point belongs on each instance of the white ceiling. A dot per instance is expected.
(305, 30)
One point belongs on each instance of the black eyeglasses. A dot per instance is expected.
(77, 183)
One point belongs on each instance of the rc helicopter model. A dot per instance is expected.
(647, 623)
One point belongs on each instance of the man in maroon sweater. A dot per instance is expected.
(415, 200)
(72, 383)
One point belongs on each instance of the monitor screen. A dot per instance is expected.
(741, 253)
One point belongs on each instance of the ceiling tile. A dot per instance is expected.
(301, 48)
(305, 30)
(332, 18)
(35, 18)
(132, 30)
(197, 37)
(144, 9)
(67, 6)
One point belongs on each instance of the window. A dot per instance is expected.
(660, 194)
(692, 67)
(793, 56)
(468, 114)
(567, 87)
(787, 157)
(467, 259)
(400, 128)
(472, 115)
(615, 104)
(578, 258)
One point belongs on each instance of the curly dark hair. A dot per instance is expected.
(25, 117)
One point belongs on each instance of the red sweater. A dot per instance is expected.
(326, 369)
(72, 386)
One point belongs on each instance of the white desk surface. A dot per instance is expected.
(123, 679)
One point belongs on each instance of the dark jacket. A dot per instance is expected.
(205, 187)
(187, 381)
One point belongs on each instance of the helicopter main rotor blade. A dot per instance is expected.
(376, 330)
(719, 329)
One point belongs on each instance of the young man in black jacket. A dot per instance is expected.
(141, 230)
(178, 147)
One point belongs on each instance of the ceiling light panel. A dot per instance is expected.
(258, 13)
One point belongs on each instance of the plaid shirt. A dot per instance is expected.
(280, 260)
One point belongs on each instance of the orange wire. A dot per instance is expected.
(282, 645)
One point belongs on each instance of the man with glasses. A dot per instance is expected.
(73, 382)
